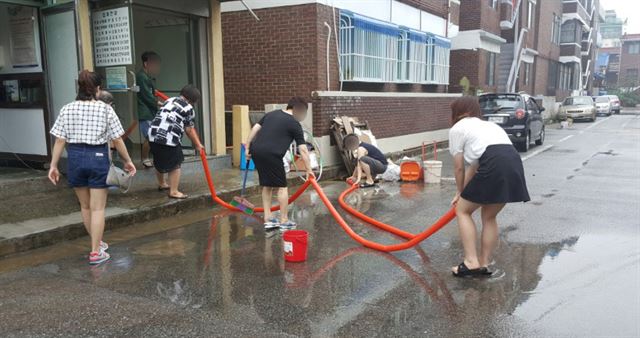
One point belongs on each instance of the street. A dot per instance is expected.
(568, 263)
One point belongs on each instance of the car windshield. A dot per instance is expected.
(578, 101)
(602, 99)
(497, 102)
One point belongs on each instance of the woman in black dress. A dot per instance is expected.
(268, 142)
(493, 177)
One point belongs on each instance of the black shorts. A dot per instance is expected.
(499, 179)
(166, 158)
(270, 169)
(376, 166)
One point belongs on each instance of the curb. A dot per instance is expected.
(10, 246)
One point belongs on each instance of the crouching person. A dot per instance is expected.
(268, 142)
(175, 118)
(371, 162)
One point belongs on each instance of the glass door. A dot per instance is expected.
(173, 36)
(61, 55)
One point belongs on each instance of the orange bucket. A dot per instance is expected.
(295, 245)
(410, 171)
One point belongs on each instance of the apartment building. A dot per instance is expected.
(629, 61)
(385, 61)
(546, 48)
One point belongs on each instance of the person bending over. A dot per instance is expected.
(268, 142)
(370, 161)
(494, 176)
(175, 118)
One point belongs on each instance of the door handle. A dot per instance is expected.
(134, 88)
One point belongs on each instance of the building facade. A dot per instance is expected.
(612, 29)
(629, 76)
(546, 48)
(386, 62)
(44, 44)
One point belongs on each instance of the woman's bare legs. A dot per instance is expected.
(97, 204)
(489, 237)
(267, 193)
(174, 182)
(85, 207)
(468, 233)
(283, 200)
(162, 182)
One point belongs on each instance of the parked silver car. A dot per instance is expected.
(577, 108)
(615, 103)
(604, 105)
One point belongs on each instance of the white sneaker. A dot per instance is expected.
(96, 258)
(104, 246)
(271, 224)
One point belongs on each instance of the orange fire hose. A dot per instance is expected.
(207, 173)
(367, 219)
(162, 96)
(444, 220)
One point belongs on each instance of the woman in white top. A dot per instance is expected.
(493, 177)
(86, 126)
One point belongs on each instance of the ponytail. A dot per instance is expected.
(88, 83)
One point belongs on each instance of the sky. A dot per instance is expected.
(629, 9)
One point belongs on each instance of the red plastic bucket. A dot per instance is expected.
(295, 245)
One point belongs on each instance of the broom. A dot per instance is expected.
(239, 201)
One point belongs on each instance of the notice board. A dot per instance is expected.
(112, 37)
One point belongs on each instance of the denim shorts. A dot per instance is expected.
(143, 126)
(88, 165)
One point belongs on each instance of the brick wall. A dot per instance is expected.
(547, 50)
(435, 7)
(464, 62)
(270, 60)
(478, 14)
(628, 61)
(388, 116)
(473, 65)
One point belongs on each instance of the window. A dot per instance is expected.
(527, 73)
(530, 15)
(555, 29)
(377, 51)
(568, 73)
(631, 77)
(552, 78)
(634, 47)
(491, 69)
(568, 32)
(493, 4)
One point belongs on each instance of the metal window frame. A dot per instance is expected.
(368, 56)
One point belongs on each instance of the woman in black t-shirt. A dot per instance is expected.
(268, 143)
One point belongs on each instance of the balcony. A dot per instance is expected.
(508, 13)
(571, 49)
(575, 10)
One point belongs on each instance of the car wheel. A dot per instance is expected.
(540, 141)
(524, 146)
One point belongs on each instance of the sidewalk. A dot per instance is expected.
(34, 213)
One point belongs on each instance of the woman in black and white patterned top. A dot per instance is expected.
(86, 126)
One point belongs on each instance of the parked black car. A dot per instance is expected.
(518, 114)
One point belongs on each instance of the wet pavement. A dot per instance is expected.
(568, 264)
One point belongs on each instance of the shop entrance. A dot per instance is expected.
(176, 38)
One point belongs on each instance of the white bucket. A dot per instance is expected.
(432, 171)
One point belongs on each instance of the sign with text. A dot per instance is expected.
(112, 37)
(116, 78)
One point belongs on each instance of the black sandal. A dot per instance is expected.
(464, 271)
(367, 185)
